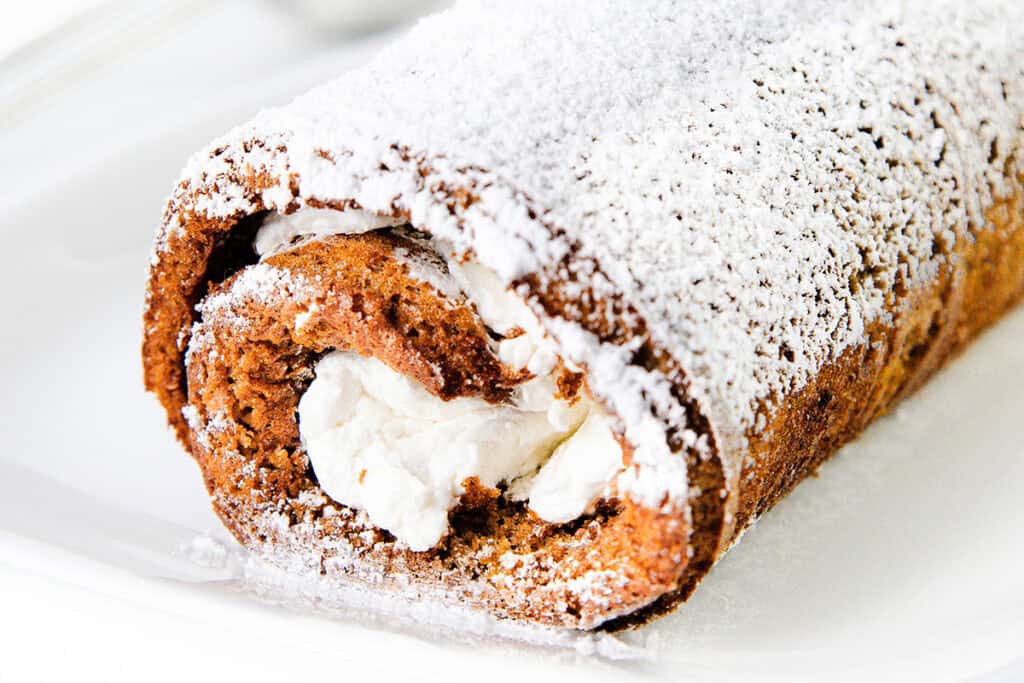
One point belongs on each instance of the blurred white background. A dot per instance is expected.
(25, 22)
(80, 76)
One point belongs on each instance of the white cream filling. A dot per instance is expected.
(381, 443)
(280, 232)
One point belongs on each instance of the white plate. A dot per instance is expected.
(902, 560)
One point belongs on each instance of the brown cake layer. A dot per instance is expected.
(249, 361)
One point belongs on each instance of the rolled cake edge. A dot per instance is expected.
(178, 273)
(268, 184)
(248, 364)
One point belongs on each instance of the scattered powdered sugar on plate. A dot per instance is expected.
(210, 553)
(417, 611)
(413, 611)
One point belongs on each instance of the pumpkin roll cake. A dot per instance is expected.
(539, 310)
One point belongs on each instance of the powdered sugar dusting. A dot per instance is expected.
(756, 179)
(426, 265)
(259, 283)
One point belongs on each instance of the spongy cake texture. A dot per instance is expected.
(716, 208)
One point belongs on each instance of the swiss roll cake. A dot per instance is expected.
(543, 307)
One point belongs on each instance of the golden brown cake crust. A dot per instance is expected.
(982, 279)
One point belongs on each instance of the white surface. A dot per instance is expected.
(27, 21)
(901, 561)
